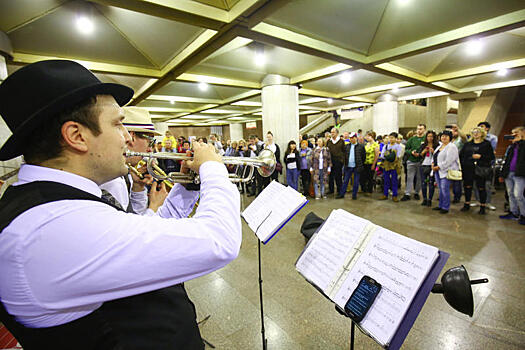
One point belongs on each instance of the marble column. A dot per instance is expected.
(436, 113)
(236, 132)
(280, 108)
(385, 115)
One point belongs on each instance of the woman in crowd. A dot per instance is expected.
(321, 167)
(426, 151)
(293, 164)
(392, 167)
(305, 154)
(372, 155)
(272, 146)
(446, 157)
(476, 157)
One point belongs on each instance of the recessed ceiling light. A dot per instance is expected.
(396, 89)
(172, 102)
(330, 101)
(474, 47)
(345, 77)
(203, 86)
(403, 2)
(502, 72)
(85, 25)
(259, 59)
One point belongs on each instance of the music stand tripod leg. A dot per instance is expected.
(264, 342)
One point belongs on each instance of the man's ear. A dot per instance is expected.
(133, 137)
(74, 135)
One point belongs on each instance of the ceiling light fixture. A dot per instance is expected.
(259, 59)
(396, 89)
(85, 25)
(172, 101)
(330, 101)
(474, 47)
(203, 86)
(502, 72)
(345, 77)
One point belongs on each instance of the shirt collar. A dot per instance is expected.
(30, 173)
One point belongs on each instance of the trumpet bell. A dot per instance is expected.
(268, 158)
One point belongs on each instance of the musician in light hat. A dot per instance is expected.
(77, 272)
(129, 191)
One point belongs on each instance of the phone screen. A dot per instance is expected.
(362, 298)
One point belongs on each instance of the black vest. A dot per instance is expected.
(158, 320)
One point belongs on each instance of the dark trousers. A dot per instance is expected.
(427, 182)
(305, 179)
(348, 174)
(336, 175)
(469, 179)
(367, 179)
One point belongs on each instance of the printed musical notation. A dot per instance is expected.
(323, 259)
(400, 265)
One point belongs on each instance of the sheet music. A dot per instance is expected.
(325, 256)
(282, 201)
(400, 265)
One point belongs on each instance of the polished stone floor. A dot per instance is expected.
(299, 317)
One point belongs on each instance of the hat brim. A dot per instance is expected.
(12, 147)
(149, 131)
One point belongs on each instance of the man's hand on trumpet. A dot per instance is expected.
(202, 153)
(157, 195)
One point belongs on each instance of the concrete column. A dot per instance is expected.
(385, 115)
(436, 113)
(280, 108)
(464, 108)
(236, 133)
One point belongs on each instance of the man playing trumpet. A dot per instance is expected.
(75, 271)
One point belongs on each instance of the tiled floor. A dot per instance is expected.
(299, 317)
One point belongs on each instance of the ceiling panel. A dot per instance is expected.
(133, 82)
(402, 92)
(56, 35)
(334, 104)
(405, 21)
(240, 63)
(222, 4)
(488, 78)
(426, 62)
(496, 48)
(359, 79)
(15, 13)
(167, 104)
(158, 38)
(180, 88)
(347, 24)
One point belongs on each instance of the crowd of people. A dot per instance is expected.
(448, 163)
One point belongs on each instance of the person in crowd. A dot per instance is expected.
(426, 152)
(214, 140)
(336, 146)
(321, 168)
(346, 137)
(158, 147)
(514, 175)
(391, 166)
(446, 157)
(292, 159)
(230, 149)
(403, 158)
(361, 139)
(90, 272)
(253, 149)
(202, 140)
(129, 192)
(493, 139)
(372, 155)
(354, 160)
(327, 136)
(169, 165)
(359, 133)
(272, 146)
(308, 140)
(475, 155)
(169, 136)
(243, 149)
(414, 160)
(459, 139)
(305, 154)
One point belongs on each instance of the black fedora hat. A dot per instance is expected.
(41, 90)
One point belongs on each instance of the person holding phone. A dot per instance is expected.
(426, 151)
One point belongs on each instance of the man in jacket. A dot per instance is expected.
(514, 174)
(414, 162)
(354, 160)
(336, 146)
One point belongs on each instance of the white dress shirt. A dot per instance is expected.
(59, 261)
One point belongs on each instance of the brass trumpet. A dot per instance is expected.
(265, 164)
(156, 170)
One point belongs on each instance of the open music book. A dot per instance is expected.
(348, 247)
(272, 209)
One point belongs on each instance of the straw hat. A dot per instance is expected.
(138, 119)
